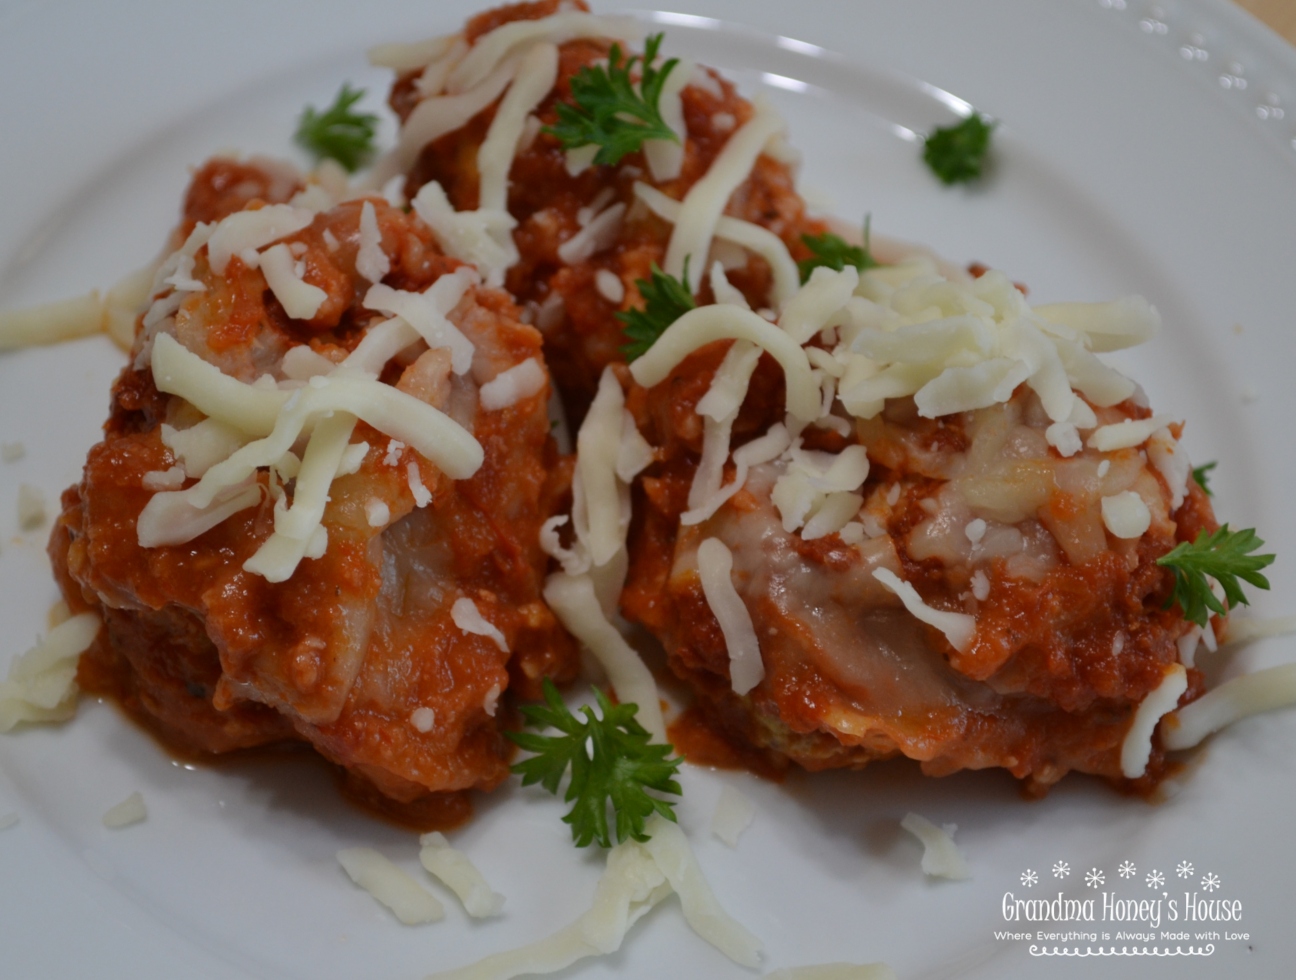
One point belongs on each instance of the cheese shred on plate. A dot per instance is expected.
(41, 686)
(460, 875)
(1241, 697)
(409, 901)
(733, 814)
(638, 876)
(129, 811)
(941, 857)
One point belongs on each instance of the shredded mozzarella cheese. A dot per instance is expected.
(513, 385)
(537, 72)
(129, 811)
(300, 299)
(733, 814)
(371, 261)
(460, 875)
(706, 199)
(409, 901)
(715, 569)
(1241, 697)
(701, 326)
(245, 231)
(574, 602)
(941, 857)
(753, 237)
(959, 628)
(468, 618)
(41, 685)
(1136, 749)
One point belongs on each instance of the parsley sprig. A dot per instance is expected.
(834, 252)
(608, 112)
(339, 133)
(612, 759)
(1201, 474)
(1225, 556)
(666, 299)
(956, 153)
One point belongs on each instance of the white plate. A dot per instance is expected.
(1141, 149)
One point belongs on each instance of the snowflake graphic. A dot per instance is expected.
(1061, 869)
(1185, 869)
(1029, 878)
(1210, 882)
(1095, 878)
(1127, 869)
(1155, 879)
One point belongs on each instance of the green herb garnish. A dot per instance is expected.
(834, 252)
(1200, 474)
(608, 112)
(338, 133)
(666, 299)
(956, 153)
(612, 760)
(1225, 556)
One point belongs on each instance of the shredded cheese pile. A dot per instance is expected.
(253, 428)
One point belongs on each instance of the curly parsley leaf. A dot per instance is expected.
(1225, 556)
(608, 112)
(666, 299)
(1200, 475)
(339, 133)
(834, 252)
(612, 760)
(955, 153)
